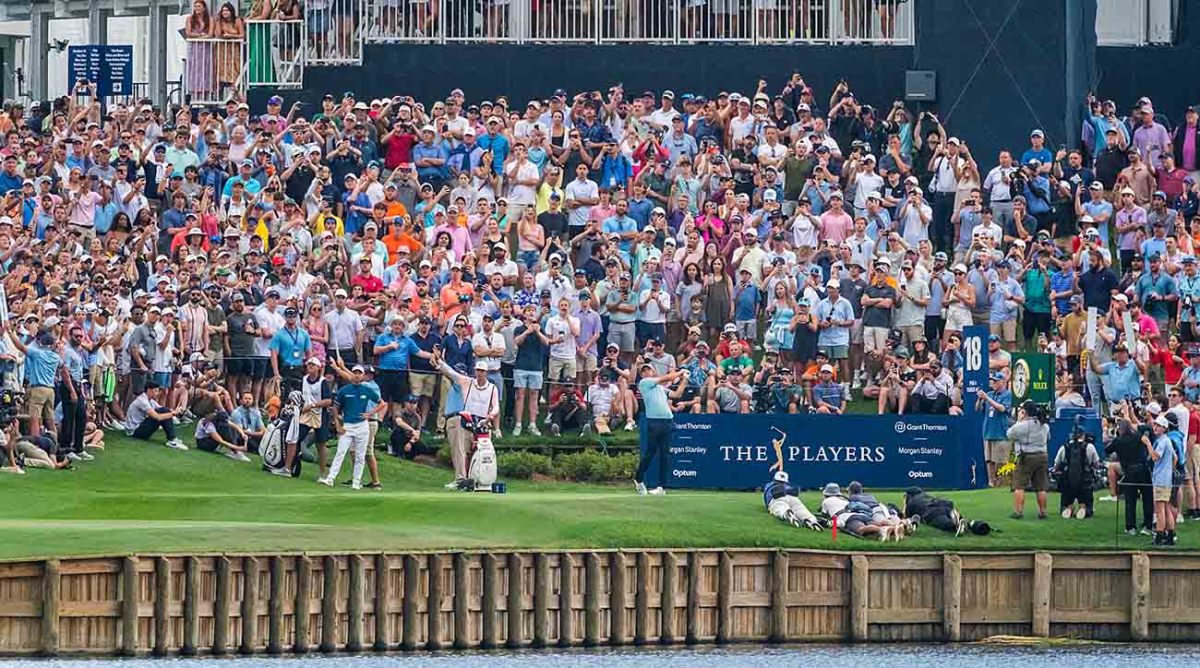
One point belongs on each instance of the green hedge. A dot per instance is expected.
(583, 466)
(595, 466)
(523, 464)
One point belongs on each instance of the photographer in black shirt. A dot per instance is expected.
(1127, 445)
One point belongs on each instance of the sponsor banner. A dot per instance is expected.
(1032, 378)
(884, 451)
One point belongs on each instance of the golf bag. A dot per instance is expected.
(284, 429)
(481, 472)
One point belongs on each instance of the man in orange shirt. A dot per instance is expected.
(398, 235)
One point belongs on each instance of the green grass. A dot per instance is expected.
(139, 497)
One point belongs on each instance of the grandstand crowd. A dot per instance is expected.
(776, 249)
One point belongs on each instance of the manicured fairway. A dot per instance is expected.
(145, 498)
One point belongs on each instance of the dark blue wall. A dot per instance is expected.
(1002, 68)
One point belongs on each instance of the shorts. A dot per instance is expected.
(747, 330)
(1192, 465)
(137, 381)
(856, 333)
(1162, 494)
(559, 366)
(393, 384)
(875, 339)
(1007, 330)
(586, 363)
(622, 334)
(422, 383)
(238, 366)
(835, 352)
(1032, 471)
(527, 380)
(957, 319)
(39, 401)
(163, 378)
(997, 452)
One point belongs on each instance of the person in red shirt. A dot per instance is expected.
(370, 283)
(398, 144)
(728, 336)
(1167, 358)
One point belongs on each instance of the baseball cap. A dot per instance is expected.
(825, 368)
(481, 365)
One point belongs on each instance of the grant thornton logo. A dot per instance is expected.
(901, 427)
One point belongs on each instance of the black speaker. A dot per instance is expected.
(920, 86)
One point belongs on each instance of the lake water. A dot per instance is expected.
(746, 656)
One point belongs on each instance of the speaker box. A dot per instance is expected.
(920, 86)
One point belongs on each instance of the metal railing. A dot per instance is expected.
(336, 29)
(632, 21)
(275, 53)
(214, 70)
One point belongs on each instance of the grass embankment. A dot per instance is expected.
(139, 497)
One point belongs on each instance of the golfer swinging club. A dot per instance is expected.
(659, 424)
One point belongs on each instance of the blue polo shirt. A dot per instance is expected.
(396, 360)
(654, 396)
(996, 423)
(292, 345)
(356, 399)
(41, 366)
(1124, 381)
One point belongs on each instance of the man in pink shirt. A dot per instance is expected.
(836, 224)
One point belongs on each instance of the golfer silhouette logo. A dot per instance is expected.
(777, 443)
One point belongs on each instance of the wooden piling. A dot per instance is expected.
(191, 607)
(462, 593)
(162, 606)
(51, 600)
(275, 607)
(541, 599)
(591, 599)
(513, 612)
(1043, 568)
(860, 579)
(724, 598)
(224, 598)
(302, 608)
(779, 583)
(693, 599)
(382, 610)
(433, 608)
(129, 606)
(666, 611)
(412, 589)
(491, 601)
(355, 606)
(952, 597)
(616, 599)
(249, 605)
(1139, 610)
(641, 598)
(566, 594)
(329, 601)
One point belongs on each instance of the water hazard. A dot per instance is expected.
(742, 656)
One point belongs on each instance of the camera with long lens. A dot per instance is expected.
(10, 405)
